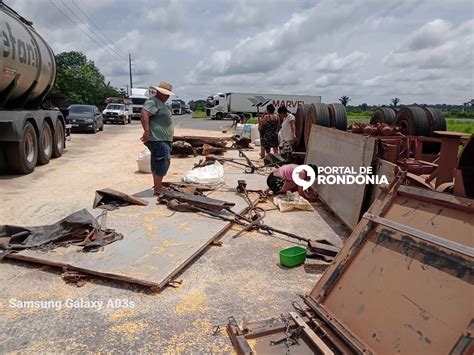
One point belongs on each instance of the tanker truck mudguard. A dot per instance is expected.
(30, 133)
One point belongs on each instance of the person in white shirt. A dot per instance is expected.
(287, 132)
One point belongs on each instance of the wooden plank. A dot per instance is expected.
(311, 335)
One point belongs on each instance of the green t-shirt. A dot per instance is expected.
(161, 126)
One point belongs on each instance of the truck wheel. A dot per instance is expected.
(318, 114)
(129, 120)
(413, 121)
(45, 144)
(219, 116)
(338, 116)
(58, 140)
(383, 115)
(22, 156)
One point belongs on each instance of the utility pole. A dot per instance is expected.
(130, 70)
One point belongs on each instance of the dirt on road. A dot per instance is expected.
(241, 278)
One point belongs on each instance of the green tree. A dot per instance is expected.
(80, 80)
(395, 101)
(344, 100)
(197, 105)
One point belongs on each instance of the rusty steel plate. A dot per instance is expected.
(157, 243)
(333, 148)
(403, 283)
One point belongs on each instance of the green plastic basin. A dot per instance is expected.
(293, 256)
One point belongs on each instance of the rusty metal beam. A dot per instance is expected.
(199, 201)
(311, 335)
(428, 237)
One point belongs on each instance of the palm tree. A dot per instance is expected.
(395, 101)
(344, 100)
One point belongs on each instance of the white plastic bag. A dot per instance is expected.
(291, 201)
(143, 161)
(254, 133)
(209, 174)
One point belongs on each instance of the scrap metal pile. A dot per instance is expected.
(401, 284)
(195, 145)
(183, 198)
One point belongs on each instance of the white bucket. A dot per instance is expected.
(143, 161)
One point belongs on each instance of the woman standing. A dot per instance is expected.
(268, 127)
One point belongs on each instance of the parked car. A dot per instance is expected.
(117, 113)
(85, 118)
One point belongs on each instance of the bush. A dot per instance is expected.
(199, 114)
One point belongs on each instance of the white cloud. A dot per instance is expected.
(436, 45)
(370, 50)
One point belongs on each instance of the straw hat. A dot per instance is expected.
(164, 88)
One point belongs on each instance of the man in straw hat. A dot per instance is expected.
(158, 131)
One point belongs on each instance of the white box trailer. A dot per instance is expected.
(221, 105)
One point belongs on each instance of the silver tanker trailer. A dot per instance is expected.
(30, 133)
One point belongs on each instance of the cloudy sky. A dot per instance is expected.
(371, 50)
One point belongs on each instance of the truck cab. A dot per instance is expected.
(216, 106)
(138, 97)
(178, 107)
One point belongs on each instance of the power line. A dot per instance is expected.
(75, 24)
(93, 23)
(106, 49)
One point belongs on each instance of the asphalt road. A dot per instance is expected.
(241, 278)
(186, 121)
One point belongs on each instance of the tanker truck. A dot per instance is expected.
(30, 133)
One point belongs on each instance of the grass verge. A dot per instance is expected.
(199, 114)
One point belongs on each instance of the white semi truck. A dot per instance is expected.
(30, 132)
(220, 105)
(138, 97)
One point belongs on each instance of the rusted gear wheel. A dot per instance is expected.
(383, 115)
(300, 117)
(338, 116)
(317, 114)
(413, 121)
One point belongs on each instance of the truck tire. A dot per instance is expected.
(437, 122)
(436, 119)
(413, 121)
(219, 116)
(383, 115)
(317, 114)
(45, 144)
(338, 116)
(58, 140)
(22, 156)
(300, 116)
